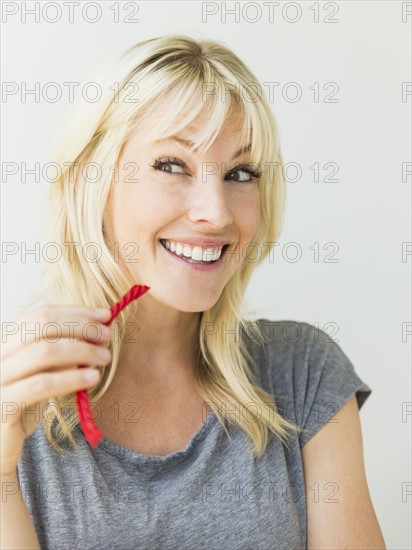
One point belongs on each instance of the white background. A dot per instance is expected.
(366, 294)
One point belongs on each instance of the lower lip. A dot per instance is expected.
(198, 267)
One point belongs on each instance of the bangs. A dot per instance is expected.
(182, 104)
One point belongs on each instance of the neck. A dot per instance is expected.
(160, 345)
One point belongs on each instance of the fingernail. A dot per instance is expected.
(91, 375)
(106, 331)
(101, 312)
(104, 353)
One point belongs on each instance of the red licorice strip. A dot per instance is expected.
(88, 425)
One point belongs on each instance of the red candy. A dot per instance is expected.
(88, 425)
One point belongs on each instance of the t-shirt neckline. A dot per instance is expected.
(132, 456)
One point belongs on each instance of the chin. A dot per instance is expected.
(193, 306)
(185, 301)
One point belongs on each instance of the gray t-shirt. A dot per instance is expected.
(212, 494)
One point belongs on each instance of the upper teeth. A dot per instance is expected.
(208, 254)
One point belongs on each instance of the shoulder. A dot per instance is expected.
(307, 372)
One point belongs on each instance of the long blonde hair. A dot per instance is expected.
(181, 72)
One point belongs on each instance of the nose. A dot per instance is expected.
(209, 200)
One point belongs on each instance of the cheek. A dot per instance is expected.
(108, 219)
(139, 209)
(248, 213)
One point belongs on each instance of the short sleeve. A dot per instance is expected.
(324, 378)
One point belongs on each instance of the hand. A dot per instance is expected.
(37, 369)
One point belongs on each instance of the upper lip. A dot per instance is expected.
(197, 241)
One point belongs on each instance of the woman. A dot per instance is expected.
(218, 432)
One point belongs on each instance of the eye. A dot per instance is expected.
(249, 175)
(164, 165)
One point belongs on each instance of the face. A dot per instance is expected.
(166, 198)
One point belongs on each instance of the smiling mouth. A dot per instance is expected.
(190, 260)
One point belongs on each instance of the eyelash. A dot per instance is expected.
(255, 175)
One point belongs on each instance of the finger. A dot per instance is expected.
(42, 387)
(50, 323)
(98, 314)
(43, 355)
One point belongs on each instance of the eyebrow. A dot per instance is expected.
(188, 143)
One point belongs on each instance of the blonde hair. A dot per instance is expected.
(181, 71)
